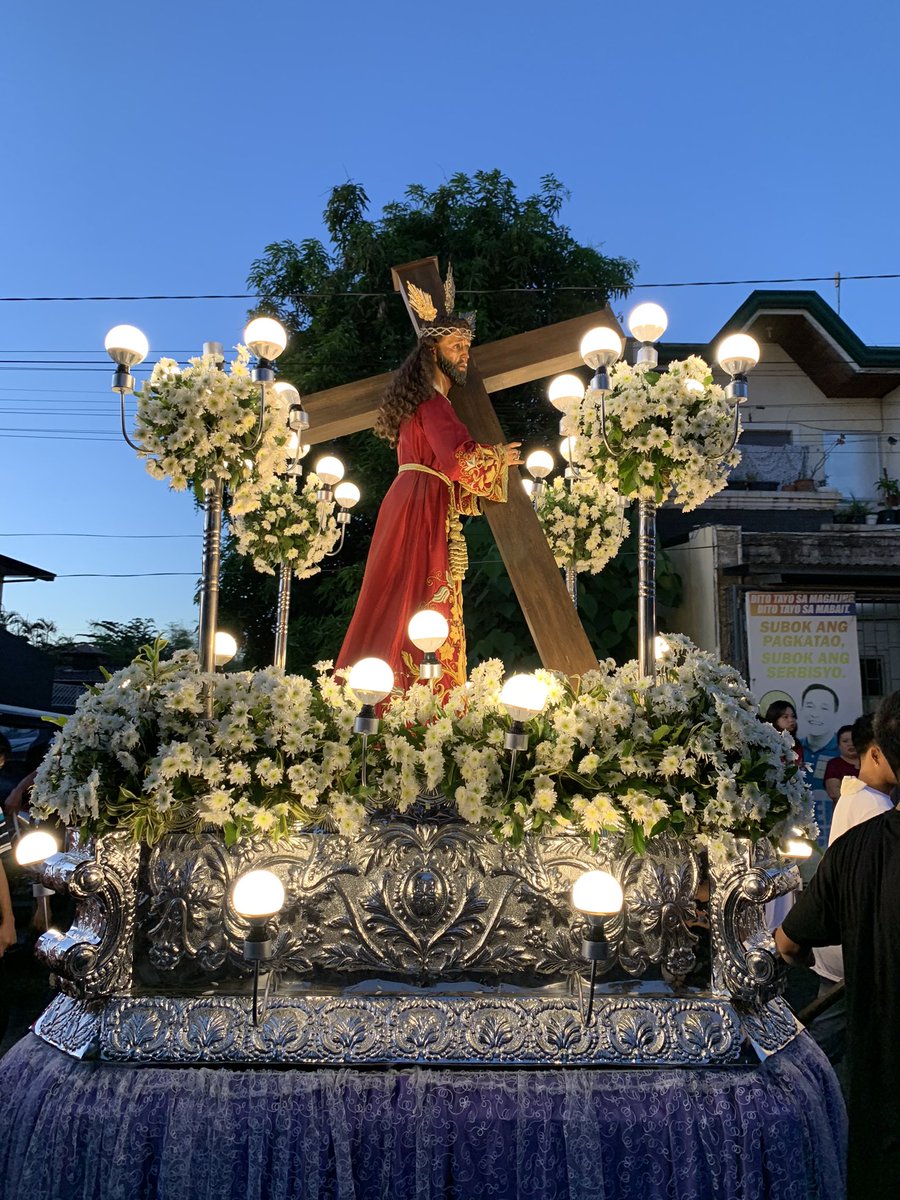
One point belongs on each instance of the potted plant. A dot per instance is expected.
(889, 490)
(855, 513)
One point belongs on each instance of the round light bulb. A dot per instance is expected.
(539, 463)
(126, 345)
(428, 630)
(330, 470)
(292, 442)
(346, 494)
(35, 847)
(523, 696)
(528, 485)
(287, 392)
(265, 338)
(567, 448)
(224, 648)
(565, 390)
(648, 322)
(737, 354)
(597, 893)
(600, 347)
(370, 680)
(258, 894)
(660, 646)
(796, 848)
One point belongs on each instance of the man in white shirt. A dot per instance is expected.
(861, 798)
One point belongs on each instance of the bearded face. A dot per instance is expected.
(452, 357)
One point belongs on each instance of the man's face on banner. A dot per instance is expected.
(818, 716)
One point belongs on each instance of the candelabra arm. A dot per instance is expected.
(339, 546)
(734, 436)
(284, 608)
(209, 588)
(603, 427)
(254, 445)
(122, 417)
(512, 771)
(362, 769)
(647, 589)
(572, 580)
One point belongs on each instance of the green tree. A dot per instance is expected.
(121, 640)
(513, 261)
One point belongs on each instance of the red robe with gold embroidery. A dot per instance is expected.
(408, 566)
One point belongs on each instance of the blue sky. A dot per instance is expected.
(158, 148)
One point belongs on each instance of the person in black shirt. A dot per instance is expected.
(854, 901)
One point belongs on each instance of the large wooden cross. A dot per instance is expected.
(551, 617)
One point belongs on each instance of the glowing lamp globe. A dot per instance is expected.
(539, 464)
(737, 354)
(523, 696)
(428, 630)
(35, 847)
(600, 347)
(286, 392)
(346, 494)
(648, 322)
(330, 470)
(126, 345)
(258, 894)
(370, 680)
(567, 448)
(796, 848)
(224, 648)
(564, 391)
(660, 647)
(597, 894)
(265, 338)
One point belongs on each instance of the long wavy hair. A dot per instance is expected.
(413, 381)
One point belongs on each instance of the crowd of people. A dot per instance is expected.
(846, 926)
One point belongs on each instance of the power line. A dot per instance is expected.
(530, 290)
(133, 536)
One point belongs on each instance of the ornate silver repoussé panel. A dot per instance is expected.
(420, 942)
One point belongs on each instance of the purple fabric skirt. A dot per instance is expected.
(73, 1130)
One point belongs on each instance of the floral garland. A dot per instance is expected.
(281, 526)
(668, 432)
(618, 755)
(197, 425)
(584, 522)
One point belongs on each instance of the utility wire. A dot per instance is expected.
(531, 290)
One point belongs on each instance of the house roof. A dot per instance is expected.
(13, 568)
(838, 362)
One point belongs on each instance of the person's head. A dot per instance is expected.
(782, 715)
(846, 748)
(874, 769)
(447, 349)
(887, 730)
(818, 711)
(5, 749)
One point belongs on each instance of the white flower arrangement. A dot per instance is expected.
(668, 431)
(584, 522)
(618, 755)
(197, 425)
(281, 526)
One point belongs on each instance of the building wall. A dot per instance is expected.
(26, 674)
(783, 396)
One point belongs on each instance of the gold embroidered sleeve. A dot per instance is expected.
(482, 473)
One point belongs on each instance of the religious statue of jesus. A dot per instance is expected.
(417, 558)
